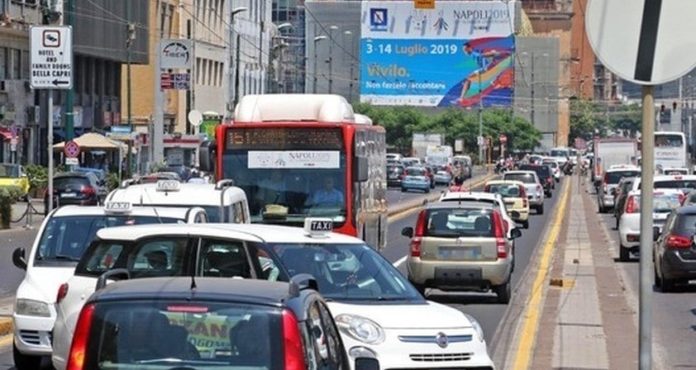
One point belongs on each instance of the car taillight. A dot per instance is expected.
(539, 188)
(678, 242)
(415, 246)
(88, 190)
(78, 349)
(292, 343)
(632, 205)
(523, 195)
(499, 233)
(62, 292)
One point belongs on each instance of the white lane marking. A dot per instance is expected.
(400, 261)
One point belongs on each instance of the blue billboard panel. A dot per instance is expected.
(459, 54)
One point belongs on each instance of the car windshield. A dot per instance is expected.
(541, 171)
(64, 239)
(458, 222)
(9, 170)
(550, 164)
(74, 182)
(676, 184)
(168, 334)
(526, 178)
(347, 272)
(668, 141)
(686, 224)
(615, 176)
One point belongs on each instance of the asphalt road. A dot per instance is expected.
(674, 313)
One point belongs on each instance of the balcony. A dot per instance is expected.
(18, 15)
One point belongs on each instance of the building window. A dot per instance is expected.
(16, 55)
(4, 65)
(198, 71)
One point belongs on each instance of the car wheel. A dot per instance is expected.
(540, 210)
(403, 190)
(601, 209)
(658, 281)
(427, 190)
(624, 254)
(25, 362)
(667, 285)
(504, 292)
(525, 224)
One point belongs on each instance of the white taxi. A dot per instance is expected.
(61, 240)
(223, 201)
(368, 297)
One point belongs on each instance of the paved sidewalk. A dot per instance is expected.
(20, 220)
(586, 321)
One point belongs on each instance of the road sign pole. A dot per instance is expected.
(646, 230)
(50, 150)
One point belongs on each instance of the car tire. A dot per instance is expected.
(658, 281)
(525, 224)
(540, 210)
(427, 190)
(624, 254)
(504, 292)
(403, 190)
(602, 209)
(25, 362)
(667, 285)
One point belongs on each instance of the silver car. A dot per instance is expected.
(532, 185)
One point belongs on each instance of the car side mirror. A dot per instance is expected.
(515, 233)
(656, 233)
(364, 363)
(361, 169)
(407, 232)
(111, 274)
(19, 259)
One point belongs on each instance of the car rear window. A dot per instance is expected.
(675, 184)
(72, 181)
(686, 224)
(65, 238)
(506, 190)
(395, 169)
(541, 171)
(456, 222)
(168, 334)
(415, 171)
(524, 177)
(615, 176)
(662, 202)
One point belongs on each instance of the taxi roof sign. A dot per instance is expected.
(318, 226)
(168, 185)
(118, 207)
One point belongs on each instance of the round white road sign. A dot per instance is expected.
(648, 42)
(195, 118)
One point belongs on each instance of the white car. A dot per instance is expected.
(59, 244)
(532, 185)
(223, 201)
(555, 168)
(664, 201)
(368, 297)
(481, 197)
(685, 183)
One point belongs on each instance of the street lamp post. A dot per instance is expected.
(316, 41)
(281, 67)
(348, 34)
(330, 60)
(235, 76)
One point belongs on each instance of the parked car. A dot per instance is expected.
(395, 174)
(75, 188)
(664, 201)
(461, 247)
(156, 324)
(532, 185)
(674, 251)
(415, 178)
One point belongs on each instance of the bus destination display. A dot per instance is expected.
(283, 138)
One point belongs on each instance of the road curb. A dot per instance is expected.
(517, 313)
(475, 182)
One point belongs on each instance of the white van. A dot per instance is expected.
(63, 237)
(222, 201)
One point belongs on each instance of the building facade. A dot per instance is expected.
(289, 45)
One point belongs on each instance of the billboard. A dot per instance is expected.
(459, 54)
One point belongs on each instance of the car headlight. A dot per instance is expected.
(30, 307)
(477, 327)
(360, 328)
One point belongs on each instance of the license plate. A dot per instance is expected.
(393, 176)
(68, 195)
(459, 253)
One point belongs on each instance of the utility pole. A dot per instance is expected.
(130, 37)
(235, 85)
(331, 42)
(70, 97)
(532, 89)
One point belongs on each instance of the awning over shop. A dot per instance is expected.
(94, 141)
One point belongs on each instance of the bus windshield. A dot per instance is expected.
(669, 141)
(288, 173)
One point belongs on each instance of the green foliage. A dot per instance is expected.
(112, 181)
(627, 118)
(588, 118)
(38, 176)
(8, 196)
(401, 122)
(583, 119)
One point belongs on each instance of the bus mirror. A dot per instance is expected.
(361, 172)
(206, 156)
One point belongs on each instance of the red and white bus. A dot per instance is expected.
(299, 155)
